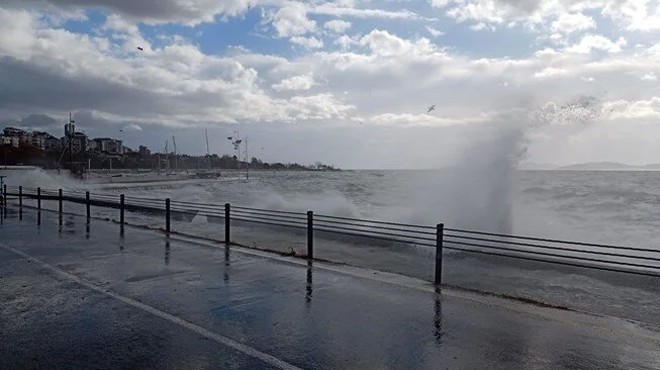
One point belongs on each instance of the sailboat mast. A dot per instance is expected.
(167, 155)
(247, 161)
(176, 160)
(208, 153)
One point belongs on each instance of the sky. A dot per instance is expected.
(345, 82)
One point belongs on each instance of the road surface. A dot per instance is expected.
(73, 297)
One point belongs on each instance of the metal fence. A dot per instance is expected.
(621, 259)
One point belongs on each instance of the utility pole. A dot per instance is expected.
(236, 141)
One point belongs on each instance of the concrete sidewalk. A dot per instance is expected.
(76, 299)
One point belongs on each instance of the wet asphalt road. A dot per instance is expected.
(76, 299)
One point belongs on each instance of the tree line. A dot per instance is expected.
(29, 155)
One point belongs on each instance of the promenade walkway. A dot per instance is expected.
(89, 297)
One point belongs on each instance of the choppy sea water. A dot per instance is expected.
(602, 207)
(615, 207)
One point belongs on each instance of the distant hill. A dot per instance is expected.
(609, 166)
(526, 166)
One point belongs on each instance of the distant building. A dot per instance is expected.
(10, 140)
(36, 141)
(92, 146)
(144, 151)
(78, 142)
(51, 143)
(14, 136)
(109, 146)
(43, 141)
(13, 132)
(40, 140)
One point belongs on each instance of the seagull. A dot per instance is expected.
(429, 109)
(140, 48)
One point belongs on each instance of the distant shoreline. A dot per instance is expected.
(591, 166)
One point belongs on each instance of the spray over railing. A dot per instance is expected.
(613, 258)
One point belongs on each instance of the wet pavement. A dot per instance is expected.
(78, 297)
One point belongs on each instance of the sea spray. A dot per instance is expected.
(477, 190)
(36, 177)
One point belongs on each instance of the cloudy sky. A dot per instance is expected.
(346, 81)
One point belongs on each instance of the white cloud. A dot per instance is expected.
(296, 83)
(345, 41)
(292, 20)
(481, 26)
(386, 44)
(572, 22)
(128, 32)
(598, 42)
(307, 42)
(171, 85)
(317, 107)
(410, 119)
(641, 15)
(132, 128)
(649, 77)
(550, 72)
(16, 33)
(440, 3)
(434, 31)
(339, 9)
(634, 108)
(337, 25)
(557, 16)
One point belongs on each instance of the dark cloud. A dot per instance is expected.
(153, 11)
(524, 6)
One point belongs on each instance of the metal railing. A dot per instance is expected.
(613, 258)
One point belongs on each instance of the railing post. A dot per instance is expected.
(121, 210)
(167, 215)
(4, 201)
(439, 233)
(59, 208)
(310, 234)
(87, 207)
(227, 223)
(20, 203)
(39, 199)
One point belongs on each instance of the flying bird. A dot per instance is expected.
(140, 48)
(429, 109)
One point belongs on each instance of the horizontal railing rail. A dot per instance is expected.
(606, 257)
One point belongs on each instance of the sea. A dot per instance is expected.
(610, 207)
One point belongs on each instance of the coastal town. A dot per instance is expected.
(76, 151)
